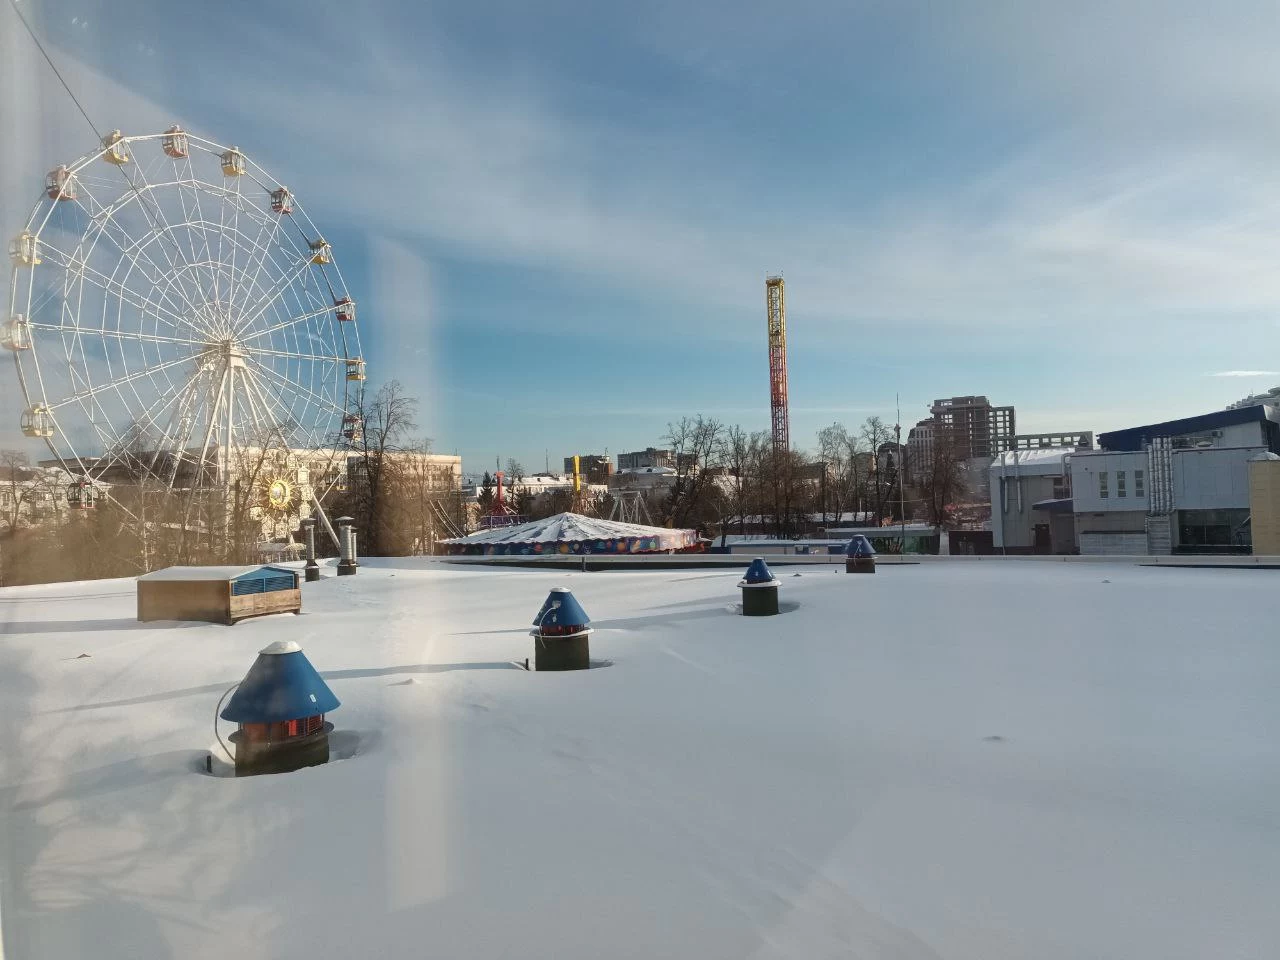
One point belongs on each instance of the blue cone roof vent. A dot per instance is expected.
(561, 609)
(281, 685)
(758, 572)
(860, 546)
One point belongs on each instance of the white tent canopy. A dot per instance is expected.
(586, 534)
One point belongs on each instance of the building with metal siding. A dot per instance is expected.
(1242, 427)
(1023, 483)
(1178, 486)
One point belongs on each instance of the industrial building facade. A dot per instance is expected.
(1196, 485)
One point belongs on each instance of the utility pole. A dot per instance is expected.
(897, 442)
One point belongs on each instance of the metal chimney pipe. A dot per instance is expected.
(346, 561)
(312, 568)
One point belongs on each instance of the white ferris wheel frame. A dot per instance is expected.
(204, 331)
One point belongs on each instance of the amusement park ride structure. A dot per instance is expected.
(500, 514)
(776, 310)
(172, 305)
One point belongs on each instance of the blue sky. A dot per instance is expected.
(558, 217)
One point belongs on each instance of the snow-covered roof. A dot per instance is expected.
(208, 573)
(660, 762)
(1048, 460)
(628, 471)
(562, 528)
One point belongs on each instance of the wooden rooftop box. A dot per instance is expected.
(218, 594)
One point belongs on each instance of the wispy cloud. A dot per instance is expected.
(1035, 195)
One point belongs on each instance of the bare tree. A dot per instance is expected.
(741, 455)
(18, 489)
(375, 472)
(883, 475)
(791, 480)
(941, 481)
(836, 451)
(696, 445)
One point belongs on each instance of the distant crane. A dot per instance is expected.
(776, 304)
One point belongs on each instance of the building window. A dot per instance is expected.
(1120, 485)
(1139, 483)
(1103, 492)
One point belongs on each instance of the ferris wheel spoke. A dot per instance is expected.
(301, 318)
(235, 232)
(204, 235)
(83, 270)
(136, 196)
(118, 382)
(289, 355)
(102, 219)
(294, 387)
(135, 250)
(115, 334)
(191, 244)
(281, 413)
(264, 251)
(261, 307)
(158, 219)
(222, 219)
(155, 280)
(151, 416)
(267, 227)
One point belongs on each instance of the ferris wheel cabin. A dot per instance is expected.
(114, 148)
(37, 422)
(81, 495)
(15, 333)
(233, 163)
(353, 427)
(60, 184)
(24, 250)
(355, 369)
(281, 200)
(174, 143)
(321, 252)
(346, 309)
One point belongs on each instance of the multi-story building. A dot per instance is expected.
(1070, 440)
(975, 429)
(919, 450)
(1271, 397)
(642, 478)
(594, 467)
(652, 457)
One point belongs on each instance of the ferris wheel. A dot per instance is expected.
(172, 303)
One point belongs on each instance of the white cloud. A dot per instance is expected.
(1246, 373)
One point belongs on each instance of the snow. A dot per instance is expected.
(281, 647)
(564, 528)
(894, 767)
(1048, 460)
(209, 573)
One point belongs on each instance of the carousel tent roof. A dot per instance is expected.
(562, 528)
